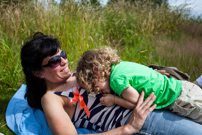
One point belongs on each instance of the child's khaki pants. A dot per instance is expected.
(189, 102)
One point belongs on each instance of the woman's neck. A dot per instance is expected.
(63, 86)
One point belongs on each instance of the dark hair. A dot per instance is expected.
(32, 54)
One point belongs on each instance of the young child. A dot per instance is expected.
(102, 70)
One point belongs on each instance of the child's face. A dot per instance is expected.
(104, 86)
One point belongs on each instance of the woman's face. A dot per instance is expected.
(58, 74)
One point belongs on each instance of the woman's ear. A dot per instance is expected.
(38, 74)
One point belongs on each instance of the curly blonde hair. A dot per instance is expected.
(97, 63)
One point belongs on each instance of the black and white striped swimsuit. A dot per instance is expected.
(101, 118)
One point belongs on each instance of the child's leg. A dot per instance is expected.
(189, 102)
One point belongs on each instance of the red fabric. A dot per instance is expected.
(78, 97)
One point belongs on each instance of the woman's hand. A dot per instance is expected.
(140, 114)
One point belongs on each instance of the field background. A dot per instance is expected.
(140, 31)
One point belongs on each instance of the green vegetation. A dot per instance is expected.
(138, 31)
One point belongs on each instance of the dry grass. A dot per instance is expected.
(193, 28)
(184, 54)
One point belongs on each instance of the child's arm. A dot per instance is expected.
(130, 94)
(109, 100)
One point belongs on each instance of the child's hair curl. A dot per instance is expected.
(94, 65)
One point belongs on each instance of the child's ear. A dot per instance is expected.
(38, 74)
(95, 69)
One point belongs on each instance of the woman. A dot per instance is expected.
(46, 70)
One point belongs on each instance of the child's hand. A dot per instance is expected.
(107, 100)
(163, 72)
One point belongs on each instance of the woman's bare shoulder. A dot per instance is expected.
(48, 95)
(49, 98)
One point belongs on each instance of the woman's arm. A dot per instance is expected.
(57, 118)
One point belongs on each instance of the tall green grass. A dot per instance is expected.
(140, 33)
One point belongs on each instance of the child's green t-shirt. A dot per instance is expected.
(141, 77)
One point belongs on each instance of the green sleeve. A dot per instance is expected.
(119, 83)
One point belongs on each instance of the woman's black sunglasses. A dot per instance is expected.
(56, 60)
